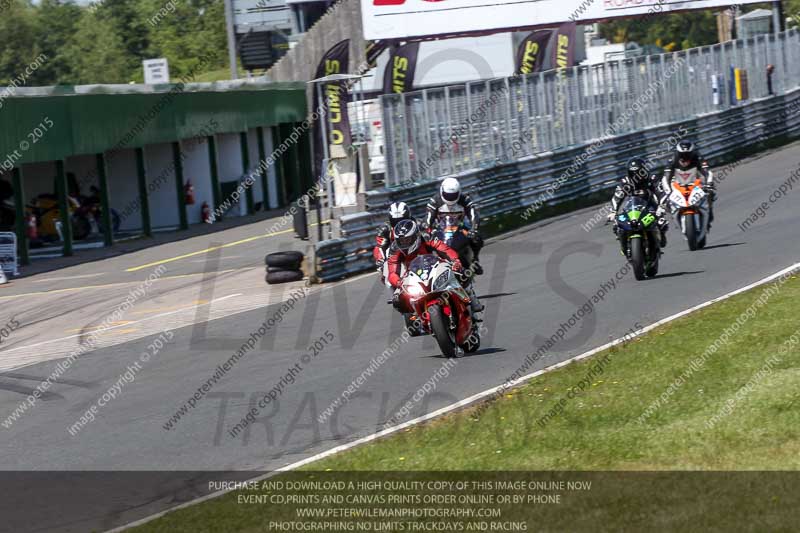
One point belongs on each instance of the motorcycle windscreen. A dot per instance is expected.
(634, 207)
(423, 265)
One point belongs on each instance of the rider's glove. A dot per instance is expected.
(379, 265)
(610, 217)
(472, 234)
(457, 266)
(396, 298)
(660, 211)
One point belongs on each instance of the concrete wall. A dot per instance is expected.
(161, 181)
(123, 189)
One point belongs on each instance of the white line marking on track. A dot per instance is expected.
(62, 278)
(28, 346)
(463, 403)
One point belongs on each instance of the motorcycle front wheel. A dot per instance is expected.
(637, 257)
(691, 233)
(441, 331)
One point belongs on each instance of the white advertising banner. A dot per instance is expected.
(402, 19)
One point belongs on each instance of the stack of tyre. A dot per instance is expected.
(284, 267)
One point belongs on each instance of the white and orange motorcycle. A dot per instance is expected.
(690, 204)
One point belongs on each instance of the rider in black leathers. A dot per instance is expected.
(638, 181)
(451, 200)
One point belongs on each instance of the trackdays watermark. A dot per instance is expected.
(602, 214)
(23, 78)
(126, 378)
(86, 346)
(583, 385)
(165, 10)
(430, 385)
(696, 364)
(638, 105)
(781, 192)
(33, 137)
(746, 389)
(9, 328)
(222, 370)
(314, 350)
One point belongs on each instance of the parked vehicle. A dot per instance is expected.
(48, 216)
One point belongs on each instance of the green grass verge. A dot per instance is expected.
(601, 429)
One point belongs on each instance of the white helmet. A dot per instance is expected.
(450, 191)
(398, 211)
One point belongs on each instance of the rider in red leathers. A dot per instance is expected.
(408, 245)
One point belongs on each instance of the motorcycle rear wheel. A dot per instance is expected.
(441, 331)
(637, 258)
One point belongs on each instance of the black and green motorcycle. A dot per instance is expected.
(639, 236)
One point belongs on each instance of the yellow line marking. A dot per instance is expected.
(212, 248)
(209, 249)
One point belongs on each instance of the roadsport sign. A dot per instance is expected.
(403, 19)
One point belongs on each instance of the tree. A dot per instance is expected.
(184, 31)
(56, 24)
(686, 30)
(96, 53)
(18, 47)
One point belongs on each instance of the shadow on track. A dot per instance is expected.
(724, 245)
(676, 274)
(497, 295)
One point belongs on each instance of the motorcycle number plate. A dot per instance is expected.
(697, 196)
(677, 199)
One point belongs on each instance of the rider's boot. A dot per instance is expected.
(475, 305)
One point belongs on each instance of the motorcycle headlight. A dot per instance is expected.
(441, 282)
(415, 291)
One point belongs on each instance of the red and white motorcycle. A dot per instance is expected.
(690, 203)
(441, 306)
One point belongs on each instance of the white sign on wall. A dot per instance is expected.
(156, 71)
(401, 19)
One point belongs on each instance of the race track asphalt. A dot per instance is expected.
(536, 278)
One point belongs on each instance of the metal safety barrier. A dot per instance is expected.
(552, 178)
(437, 132)
(8, 253)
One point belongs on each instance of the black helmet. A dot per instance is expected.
(685, 154)
(637, 172)
(407, 236)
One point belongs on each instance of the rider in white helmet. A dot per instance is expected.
(451, 200)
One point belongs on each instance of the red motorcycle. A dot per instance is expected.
(440, 306)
